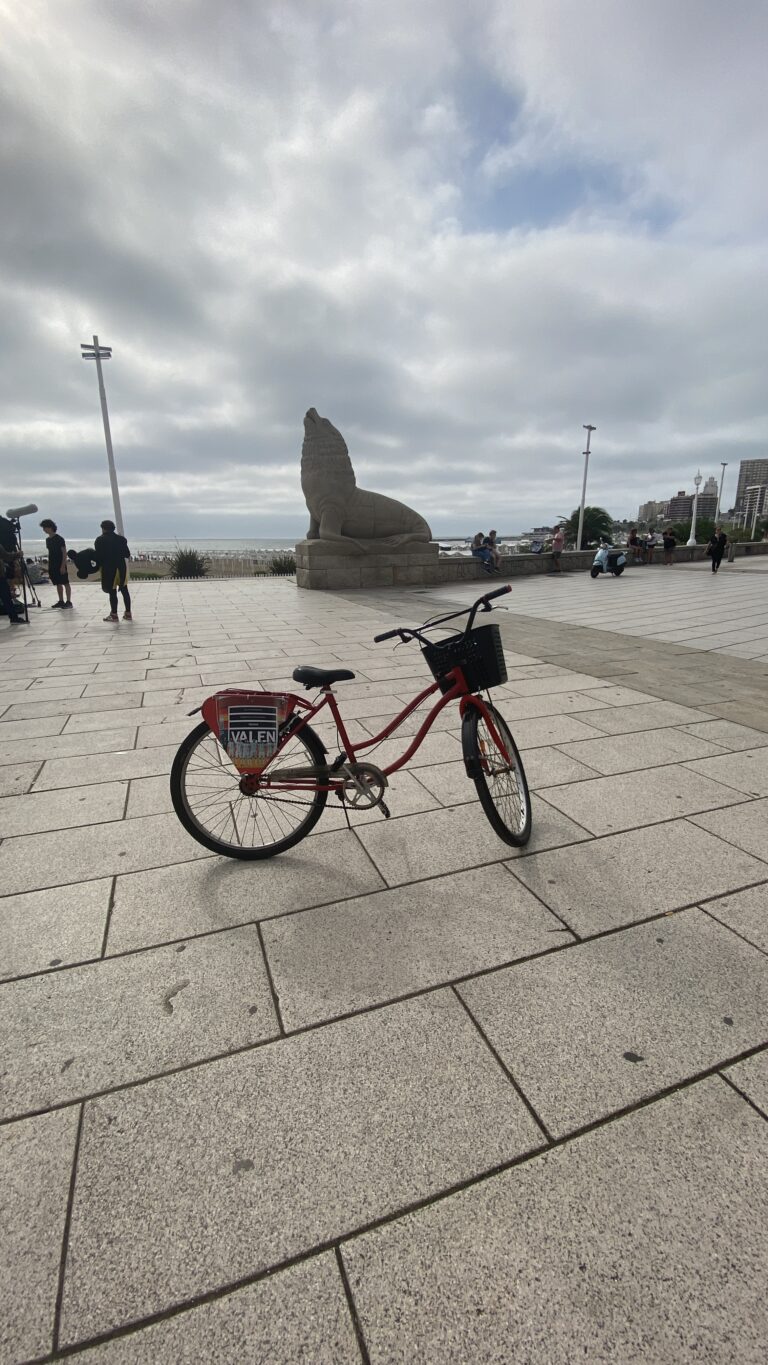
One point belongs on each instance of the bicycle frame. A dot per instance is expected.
(458, 692)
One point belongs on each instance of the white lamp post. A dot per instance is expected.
(723, 466)
(99, 353)
(589, 429)
(697, 481)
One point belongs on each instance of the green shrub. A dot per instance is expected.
(188, 563)
(282, 564)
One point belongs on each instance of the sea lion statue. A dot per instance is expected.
(353, 520)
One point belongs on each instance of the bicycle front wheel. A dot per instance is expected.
(208, 797)
(501, 782)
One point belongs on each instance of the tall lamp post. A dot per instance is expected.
(697, 481)
(99, 353)
(723, 466)
(589, 429)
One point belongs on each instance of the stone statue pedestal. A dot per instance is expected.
(322, 564)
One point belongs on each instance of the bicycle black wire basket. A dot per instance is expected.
(478, 653)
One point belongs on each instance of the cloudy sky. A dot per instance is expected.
(458, 228)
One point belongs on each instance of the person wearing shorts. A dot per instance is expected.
(58, 569)
(669, 542)
(112, 554)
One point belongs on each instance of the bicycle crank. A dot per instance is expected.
(364, 786)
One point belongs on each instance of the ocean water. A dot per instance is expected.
(237, 549)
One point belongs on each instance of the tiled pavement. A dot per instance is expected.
(402, 1093)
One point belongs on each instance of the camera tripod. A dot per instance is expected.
(28, 590)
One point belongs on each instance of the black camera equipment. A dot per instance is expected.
(10, 538)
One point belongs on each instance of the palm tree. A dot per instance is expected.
(598, 525)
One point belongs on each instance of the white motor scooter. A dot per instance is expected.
(608, 559)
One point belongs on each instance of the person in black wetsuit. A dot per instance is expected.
(113, 554)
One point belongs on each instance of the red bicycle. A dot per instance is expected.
(253, 778)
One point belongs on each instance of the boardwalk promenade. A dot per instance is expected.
(402, 1093)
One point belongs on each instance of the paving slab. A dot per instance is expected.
(614, 1021)
(751, 1077)
(746, 772)
(35, 1166)
(746, 826)
(542, 731)
(98, 768)
(746, 912)
(200, 897)
(17, 778)
(70, 1034)
(585, 1253)
(188, 1183)
(66, 706)
(606, 805)
(728, 734)
(299, 1314)
(31, 862)
(41, 811)
(46, 929)
(640, 750)
(342, 958)
(625, 878)
(442, 841)
(66, 746)
(650, 715)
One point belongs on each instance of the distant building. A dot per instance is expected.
(708, 504)
(681, 506)
(752, 473)
(710, 489)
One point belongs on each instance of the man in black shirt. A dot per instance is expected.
(113, 554)
(58, 569)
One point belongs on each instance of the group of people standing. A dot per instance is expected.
(111, 555)
(643, 549)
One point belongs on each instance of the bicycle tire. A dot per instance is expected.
(221, 775)
(506, 801)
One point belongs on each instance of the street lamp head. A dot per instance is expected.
(697, 480)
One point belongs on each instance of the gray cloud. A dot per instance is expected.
(263, 209)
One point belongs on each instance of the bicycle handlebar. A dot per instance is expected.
(482, 604)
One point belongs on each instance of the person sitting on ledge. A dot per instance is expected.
(481, 551)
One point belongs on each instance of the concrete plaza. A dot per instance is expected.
(402, 1093)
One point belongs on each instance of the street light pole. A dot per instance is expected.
(589, 429)
(697, 482)
(723, 466)
(99, 353)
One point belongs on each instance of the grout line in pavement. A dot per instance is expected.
(65, 1233)
(108, 918)
(743, 1095)
(352, 1306)
(503, 1066)
(270, 980)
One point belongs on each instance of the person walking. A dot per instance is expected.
(716, 547)
(112, 555)
(558, 541)
(58, 568)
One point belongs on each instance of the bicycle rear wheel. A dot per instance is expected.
(208, 798)
(501, 783)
